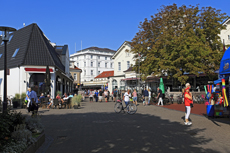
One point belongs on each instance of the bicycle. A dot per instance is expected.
(130, 108)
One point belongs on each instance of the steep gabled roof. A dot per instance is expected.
(34, 49)
(120, 48)
(105, 74)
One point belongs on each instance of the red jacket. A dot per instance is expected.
(187, 101)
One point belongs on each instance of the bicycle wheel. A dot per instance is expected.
(118, 107)
(131, 108)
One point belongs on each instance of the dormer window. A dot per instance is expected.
(15, 52)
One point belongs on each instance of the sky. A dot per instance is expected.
(98, 23)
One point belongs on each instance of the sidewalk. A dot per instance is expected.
(97, 128)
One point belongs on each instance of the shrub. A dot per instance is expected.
(76, 100)
(34, 124)
(17, 96)
(23, 96)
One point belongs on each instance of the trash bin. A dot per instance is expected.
(210, 110)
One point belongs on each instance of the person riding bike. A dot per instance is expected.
(126, 97)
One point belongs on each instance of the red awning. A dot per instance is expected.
(130, 79)
(37, 69)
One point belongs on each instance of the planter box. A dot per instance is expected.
(15, 104)
(37, 144)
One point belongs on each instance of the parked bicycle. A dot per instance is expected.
(179, 99)
(130, 108)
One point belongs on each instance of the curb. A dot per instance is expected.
(32, 148)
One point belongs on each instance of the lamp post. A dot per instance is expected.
(5, 37)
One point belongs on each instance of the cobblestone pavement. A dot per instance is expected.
(97, 128)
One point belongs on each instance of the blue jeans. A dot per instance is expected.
(134, 98)
(126, 103)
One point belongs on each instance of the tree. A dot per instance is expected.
(179, 39)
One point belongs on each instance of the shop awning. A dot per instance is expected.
(37, 70)
(225, 63)
(130, 79)
(219, 80)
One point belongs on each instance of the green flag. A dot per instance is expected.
(162, 86)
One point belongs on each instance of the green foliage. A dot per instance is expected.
(8, 121)
(23, 96)
(59, 92)
(76, 100)
(178, 40)
(17, 96)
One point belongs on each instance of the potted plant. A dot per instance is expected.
(23, 97)
(16, 100)
(76, 101)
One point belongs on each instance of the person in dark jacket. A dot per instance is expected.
(146, 95)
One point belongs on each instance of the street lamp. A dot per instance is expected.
(5, 37)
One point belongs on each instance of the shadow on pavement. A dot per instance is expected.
(111, 132)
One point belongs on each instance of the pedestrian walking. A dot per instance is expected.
(27, 99)
(34, 100)
(96, 95)
(146, 94)
(100, 95)
(114, 95)
(149, 96)
(159, 96)
(135, 96)
(106, 95)
(188, 103)
(90, 96)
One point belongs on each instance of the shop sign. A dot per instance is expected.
(226, 66)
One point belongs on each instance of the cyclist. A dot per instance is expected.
(126, 97)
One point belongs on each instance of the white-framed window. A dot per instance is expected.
(119, 66)
(91, 72)
(105, 64)
(98, 72)
(111, 65)
(99, 64)
(75, 76)
(92, 64)
(91, 56)
(105, 58)
(228, 37)
(128, 64)
(84, 72)
(84, 63)
(77, 64)
(98, 57)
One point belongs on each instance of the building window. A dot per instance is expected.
(98, 72)
(84, 72)
(91, 63)
(91, 72)
(105, 58)
(105, 64)
(119, 66)
(98, 57)
(99, 64)
(128, 64)
(228, 37)
(84, 63)
(91, 56)
(0, 55)
(15, 52)
(111, 65)
(77, 64)
(75, 76)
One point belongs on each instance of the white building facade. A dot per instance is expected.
(93, 61)
(123, 60)
(225, 34)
